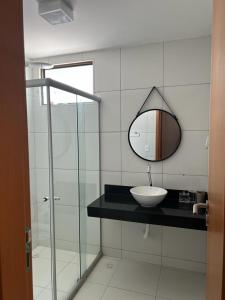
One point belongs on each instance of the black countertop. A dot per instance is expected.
(117, 203)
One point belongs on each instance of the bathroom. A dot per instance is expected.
(118, 97)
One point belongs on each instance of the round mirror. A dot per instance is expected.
(154, 135)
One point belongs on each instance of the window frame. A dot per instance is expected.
(64, 66)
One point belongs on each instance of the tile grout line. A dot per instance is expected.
(164, 94)
(159, 86)
(121, 152)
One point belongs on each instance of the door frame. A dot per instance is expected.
(216, 218)
(15, 279)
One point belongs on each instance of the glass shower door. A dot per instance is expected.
(63, 133)
(66, 191)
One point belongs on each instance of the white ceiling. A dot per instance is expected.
(100, 24)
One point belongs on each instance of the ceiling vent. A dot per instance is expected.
(55, 11)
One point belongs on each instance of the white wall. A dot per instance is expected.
(123, 78)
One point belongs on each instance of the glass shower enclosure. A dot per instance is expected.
(63, 131)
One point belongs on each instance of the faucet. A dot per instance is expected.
(149, 174)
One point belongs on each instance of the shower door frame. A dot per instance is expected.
(50, 83)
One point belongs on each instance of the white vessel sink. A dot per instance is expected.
(148, 196)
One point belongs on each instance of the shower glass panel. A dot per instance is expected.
(66, 189)
(39, 189)
(89, 175)
(64, 179)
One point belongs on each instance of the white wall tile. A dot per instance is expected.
(31, 145)
(112, 252)
(131, 162)
(142, 257)
(184, 264)
(111, 233)
(187, 61)
(88, 151)
(185, 182)
(30, 116)
(89, 186)
(131, 102)
(184, 244)
(106, 70)
(110, 178)
(41, 150)
(39, 112)
(92, 235)
(132, 238)
(64, 150)
(132, 179)
(42, 184)
(110, 152)
(88, 116)
(190, 104)
(66, 187)
(67, 223)
(110, 111)
(64, 118)
(191, 157)
(142, 66)
(33, 186)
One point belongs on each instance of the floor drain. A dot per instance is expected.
(109, 266)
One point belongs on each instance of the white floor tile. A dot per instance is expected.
(118, 294)
(90, 291)
(37, 251)
(104, 271)
(47, 295)
(67, 278)
(36, 291)
(136, 276)
(89, 259)
(177, 284)
(42, 271)
(61, 255)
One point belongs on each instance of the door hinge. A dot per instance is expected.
(28, 248)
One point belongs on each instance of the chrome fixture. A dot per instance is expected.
(199, 205)
(45, 199)
(149, 173)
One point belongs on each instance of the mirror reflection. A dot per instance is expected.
(154, 135)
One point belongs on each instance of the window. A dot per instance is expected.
(79, 75)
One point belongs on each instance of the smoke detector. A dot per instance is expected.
(55, 11)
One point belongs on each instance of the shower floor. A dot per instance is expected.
(68, 269)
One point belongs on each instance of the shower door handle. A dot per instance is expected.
(45, 199)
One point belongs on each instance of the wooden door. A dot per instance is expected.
(216, 229)
(15, 280)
